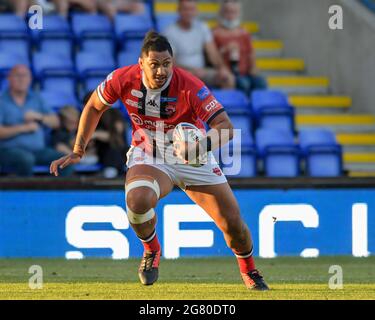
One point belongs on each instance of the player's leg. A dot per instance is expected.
(220, 203)
(145, 185)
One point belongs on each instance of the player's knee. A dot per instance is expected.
(141, 199)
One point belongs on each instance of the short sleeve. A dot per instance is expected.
(203, 102)
(207, 33)
(109, 90)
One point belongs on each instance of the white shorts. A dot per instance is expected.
(182, 175)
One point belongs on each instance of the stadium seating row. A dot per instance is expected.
(276, 153)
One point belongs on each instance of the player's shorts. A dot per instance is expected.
(182, 175)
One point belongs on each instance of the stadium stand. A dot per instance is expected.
(322, 152)
(70, 57)
(279, 152)
(272, 110)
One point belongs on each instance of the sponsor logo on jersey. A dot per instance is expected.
(170, 110)
(203, 93)
(136, 119)
(152, 103)
(137, 93)
(132, 103)
(212, 105)
(217, 171)
(149, 124)
(168, 99)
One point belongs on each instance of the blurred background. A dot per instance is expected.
(296, 76)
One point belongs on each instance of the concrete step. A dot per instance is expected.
(205, 8)
(250, 26)
(362, 173)
(360, 157)
(301, 85)
(335, 120)
(268, 48)
(319, 102)
(356, 139)
(280, 64)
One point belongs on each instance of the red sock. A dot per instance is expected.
(151, 243)
(246, 262)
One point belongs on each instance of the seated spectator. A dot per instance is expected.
(21, 7)
(235, 45)
(113, 7)
(192, 42)
(111, 143)
(63, 138)
(23, 118)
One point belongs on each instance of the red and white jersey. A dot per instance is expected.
(183, 98)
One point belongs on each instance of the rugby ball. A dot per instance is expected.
(189, 133)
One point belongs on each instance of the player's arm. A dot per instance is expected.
(221, 132)
(88, 122)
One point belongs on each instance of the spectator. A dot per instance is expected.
(192, 41)
(235, 45)
(23, 117)
(111, 143)
(21, 7)
(112, 7)
(63, 138)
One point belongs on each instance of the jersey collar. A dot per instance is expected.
(166, 84)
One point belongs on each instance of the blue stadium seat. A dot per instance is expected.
(127, 58)
(86, 26)
(62, 84)
(243, 123)
(278, 151)
(56, 99)
(52, 64)
(57, 46)
(105, 46)
(322, 153)
(12, 26)
(10, 59)
(239, 163)
(94, 64)
(91, 83)
(20, 47)
(131, 26)
(134, 45)
(234, 101)
(3, 84)
(272, 110)
(54, 27)
(164, 20)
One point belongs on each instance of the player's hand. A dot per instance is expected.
(63, 162)
(185, 151)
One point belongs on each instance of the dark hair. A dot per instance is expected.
(154, 41)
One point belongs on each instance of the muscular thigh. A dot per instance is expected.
(147, 172)
(217, 200)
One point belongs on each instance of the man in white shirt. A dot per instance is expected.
(192, 43)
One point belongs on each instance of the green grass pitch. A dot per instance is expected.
(194, 278)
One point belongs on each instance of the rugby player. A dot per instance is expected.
(157, 96)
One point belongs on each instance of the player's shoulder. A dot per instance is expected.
(125, 76)
(189, 83)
